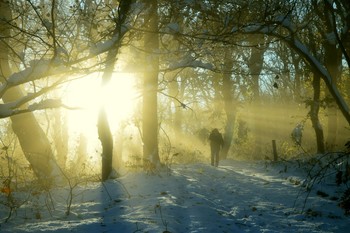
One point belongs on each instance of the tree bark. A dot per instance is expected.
(150, 85)
(228, 103)
(256, 62)
(315, 107)
(333, 60)
(104, 131)
(175, 107)
(297, 82)
(60, 135)
(105, 136)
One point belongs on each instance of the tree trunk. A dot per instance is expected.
(34, 143)
(228, 103)
(104, 131)
(315, 107)
(175, 107)
(297, 82)
(150, 86)
(105, 136)
(81, 154)
(333, 60)
(255, 66)
(217, 95)
(60, 135)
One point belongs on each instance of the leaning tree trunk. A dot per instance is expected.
(150, 86)
(34, 142)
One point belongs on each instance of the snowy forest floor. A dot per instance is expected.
(238, 196)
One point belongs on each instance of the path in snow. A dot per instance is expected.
(235, 197)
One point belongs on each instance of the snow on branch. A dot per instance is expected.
(35, 71)
(104, 46)
(118, 34)
(289, 37)
(45, 104)
(38, 69)
(190, 62)
(9, 109)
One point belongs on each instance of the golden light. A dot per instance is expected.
(119, 98)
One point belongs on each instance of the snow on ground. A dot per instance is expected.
(238, 196)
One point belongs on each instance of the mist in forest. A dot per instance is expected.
(109, 112)
(146, 85)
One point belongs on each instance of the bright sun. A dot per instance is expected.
(119, 98)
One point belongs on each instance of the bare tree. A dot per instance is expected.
(34, 143)
(288, 32)
(104, 130)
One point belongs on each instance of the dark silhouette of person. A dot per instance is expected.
(297, 134)
(216, 142)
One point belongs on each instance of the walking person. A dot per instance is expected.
(216, 143)
(297, 134)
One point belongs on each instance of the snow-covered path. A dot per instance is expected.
(235, 197)
(245, 196)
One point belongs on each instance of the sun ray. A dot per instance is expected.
(119, 98)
